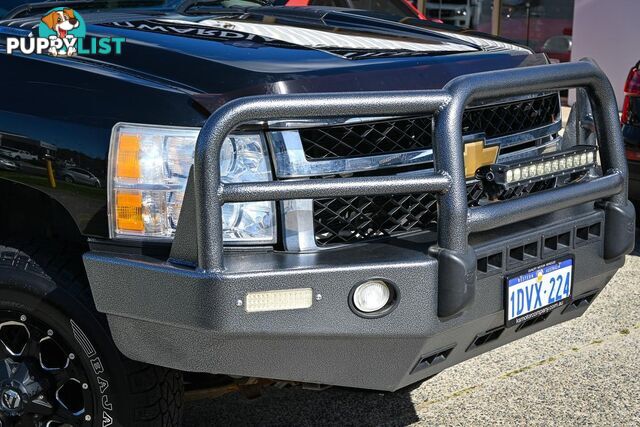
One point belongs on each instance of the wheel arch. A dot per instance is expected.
(29, 215)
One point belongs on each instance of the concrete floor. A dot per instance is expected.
(583, 372)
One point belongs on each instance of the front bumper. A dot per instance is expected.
(171, 316)
(450, 302)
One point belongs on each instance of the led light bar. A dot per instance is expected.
(576, 159)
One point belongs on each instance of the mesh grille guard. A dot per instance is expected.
(353, 219)
(206, 193)
(398, 135)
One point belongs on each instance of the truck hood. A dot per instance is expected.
(283, 50)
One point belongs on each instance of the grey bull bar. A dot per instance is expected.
(456, 259)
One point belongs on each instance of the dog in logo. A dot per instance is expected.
(61, 21)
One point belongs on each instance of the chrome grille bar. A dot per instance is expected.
(291, 162)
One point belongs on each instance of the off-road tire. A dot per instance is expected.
(48, 283)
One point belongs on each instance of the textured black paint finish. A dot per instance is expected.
(180, 318)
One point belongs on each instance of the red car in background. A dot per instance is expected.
(631, 132)
(392, 7)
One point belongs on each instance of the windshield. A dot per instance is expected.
(8, 5)
(392, 7)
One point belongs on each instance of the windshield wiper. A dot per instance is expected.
(190, 4)
(31, 8)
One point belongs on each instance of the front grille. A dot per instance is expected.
(505, 119)
(351, 219)
(345, 220)
(406, 134)
(367, 138)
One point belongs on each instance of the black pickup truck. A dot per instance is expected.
(298, 194)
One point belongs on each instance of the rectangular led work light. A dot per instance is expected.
(576, 159)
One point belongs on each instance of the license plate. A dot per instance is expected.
(538, 290)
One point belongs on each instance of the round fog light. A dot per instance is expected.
(371, 296)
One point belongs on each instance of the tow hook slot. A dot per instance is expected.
(581, 301)
(487, 337)
(432, 359)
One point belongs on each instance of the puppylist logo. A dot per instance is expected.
(62, 32)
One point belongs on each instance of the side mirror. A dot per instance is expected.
(558, 44)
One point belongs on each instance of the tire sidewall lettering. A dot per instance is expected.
(97, 368)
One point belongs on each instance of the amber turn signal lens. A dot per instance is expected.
(129, 211)
(128, 163)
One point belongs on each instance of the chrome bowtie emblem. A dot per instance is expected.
(10, 399)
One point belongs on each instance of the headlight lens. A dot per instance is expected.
(149, 167)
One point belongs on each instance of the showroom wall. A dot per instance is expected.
(609, 32)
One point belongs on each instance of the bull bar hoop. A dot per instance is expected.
(456, 259)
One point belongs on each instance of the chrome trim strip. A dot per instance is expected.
(299, 230)
(290, 161)
(330, 121)
(544, 148)
(527, 135)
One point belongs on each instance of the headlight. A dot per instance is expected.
(148, 171)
